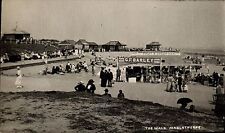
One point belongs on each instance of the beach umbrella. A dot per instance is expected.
(184, 101)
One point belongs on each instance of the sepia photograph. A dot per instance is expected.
(112, 66)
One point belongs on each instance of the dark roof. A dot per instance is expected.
(84, 42)
(18, 32)
(51, 40)
(72, 42)
(154, 44)
(114, 43)
(92, 43)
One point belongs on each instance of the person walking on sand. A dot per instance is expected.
(118, 74)
(169, 83)
(18, 82)
(173, 85)
(93, 68)
(123, 75)
(185, 86)
(179, 83)
(110, 78)
(103, 76)
(85, 66)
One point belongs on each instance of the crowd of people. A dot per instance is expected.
(177, 84)
(195, 59)
(34, 55)
(177, 78)
(161, 75)
(151, 74)
(214, 79)
(69, 68)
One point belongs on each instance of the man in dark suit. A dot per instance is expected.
(110, 78)
(118, 74)
(103, 78)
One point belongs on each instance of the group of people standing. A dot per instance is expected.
(177, 84)
(121, 75)
(214, 79)
(106, 77)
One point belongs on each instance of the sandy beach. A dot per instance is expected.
(48, 103)
(33, 81)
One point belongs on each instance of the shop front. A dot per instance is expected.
(141, 69)
(151, 70)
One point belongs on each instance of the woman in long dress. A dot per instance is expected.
(18, 82)
(169, 86)
(123, 74)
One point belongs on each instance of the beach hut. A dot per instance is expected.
(67, 44)
(87, 46)
(153, 46)
(16, 36)
(114, 46)
(93, 46)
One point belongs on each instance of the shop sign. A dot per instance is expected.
(140, 60)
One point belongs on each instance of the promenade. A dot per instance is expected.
(27, 63)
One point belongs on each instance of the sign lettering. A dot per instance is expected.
(140, 60)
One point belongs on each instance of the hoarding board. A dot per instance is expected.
(140, 60)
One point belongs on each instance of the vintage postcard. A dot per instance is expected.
(112, 66)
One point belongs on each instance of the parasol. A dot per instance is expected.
(184, 102)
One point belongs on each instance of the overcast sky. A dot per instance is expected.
(136, 22)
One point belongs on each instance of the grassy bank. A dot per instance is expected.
(70, 112)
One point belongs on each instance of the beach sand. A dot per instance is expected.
(47, 104)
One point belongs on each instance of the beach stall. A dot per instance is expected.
(154, 67)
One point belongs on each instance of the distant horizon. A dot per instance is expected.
(181, 25)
